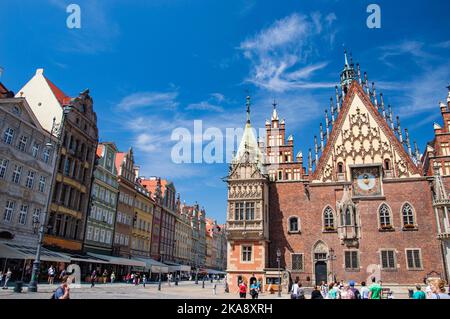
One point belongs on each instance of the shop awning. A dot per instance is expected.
(214, 272)
(87, 259)
(154, 265)
(15, 251)
(173, 267)
(118, 260)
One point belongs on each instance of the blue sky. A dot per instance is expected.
(153, 66)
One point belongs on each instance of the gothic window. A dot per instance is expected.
(294, 225)
(328, 219)
(348, 217)
(385, 217)
(388, 259)
(297, 262)
(408, 216)
(340, 168)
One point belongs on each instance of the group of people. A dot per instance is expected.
(52, 274)
(255, 289)
(103, 278)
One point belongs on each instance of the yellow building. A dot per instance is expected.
(183, 237)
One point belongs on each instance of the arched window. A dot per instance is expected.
(294, 225)
(328, 219)
(387, 164)
(348, 217)
(385, 217)
(340, 168)
(408, 216)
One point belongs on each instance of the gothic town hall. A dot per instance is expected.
(364, 203)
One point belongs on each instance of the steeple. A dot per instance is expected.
(274, 113)
(347, 75)
(248, 109)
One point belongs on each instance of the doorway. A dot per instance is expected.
(321, 272)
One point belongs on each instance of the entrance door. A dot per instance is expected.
(321, 272)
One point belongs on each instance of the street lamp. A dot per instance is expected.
(332, 257)
(33, 285)
(279, 271)
(160, 274)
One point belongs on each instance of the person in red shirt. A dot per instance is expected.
(243, 290)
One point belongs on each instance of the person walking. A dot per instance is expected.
(51, 275)
(1, 277)
(63, 291)
(7, 278)
(375, 289)
(294, 290)
(93, 278)
(254, 290)
(347, 293)
(324, 289)
(356, 293)
(242, 290)
(316, 293)
(438, 289)
(113, 277)
(364, 291)
(144, 280)
(105, 276)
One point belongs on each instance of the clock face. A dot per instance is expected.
(366, 181)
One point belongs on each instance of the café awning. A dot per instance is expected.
(118, 260)
(16, 251)
(154, 265)
(88, 259)
(173, 267)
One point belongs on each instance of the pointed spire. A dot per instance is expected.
(366, 83)
(345, 56)
(332, 110)
(274, 113)
(316, 150)
(327, 124)
(358, 68)
(391, 117)
(382, 106)
(408, 144)
(399, 130)
(374, 95)
(338, 104)
(310, 161)
(248, 109)
(416, 151)
(321, 137)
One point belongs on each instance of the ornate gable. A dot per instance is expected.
(361, 136)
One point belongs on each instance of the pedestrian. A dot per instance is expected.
(105, 276)
(242, 290)
(294, 290)
(316, 293)
(375, 290)
(254, 290)
(331, 291)
(364, 291)
(258, 284)
(113, 277)
(1, 277)
(347, 293)
(355, 291)
(438, 289)
(93, 278)
(62, 274)
(7, 278)
(214, 289)
(51, 275)
(324, 289)
(144, 280)
(301, 291)
(169, 279)
(63, 291)
(419, 294)
(341, 285)
(132, 278)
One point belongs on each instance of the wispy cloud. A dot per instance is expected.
(279, 54)
(204, 106)
(149, 99)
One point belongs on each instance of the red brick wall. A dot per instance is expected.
(289, 199)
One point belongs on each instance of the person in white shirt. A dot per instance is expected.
(364, 291)
(295, 290)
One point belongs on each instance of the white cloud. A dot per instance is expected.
(279, 54)
(204, 106)
(149, 99)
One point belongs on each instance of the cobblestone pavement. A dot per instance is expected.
(185, 290)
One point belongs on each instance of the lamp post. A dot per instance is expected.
(160, 274)
(331, 258)
(33, 285)
(279, 271)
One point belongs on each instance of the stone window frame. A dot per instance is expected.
(380, 253)
(324, 227)
(252, 253)
(302, 267)
(420, 258)
(391, 217)
(358, 260)
(412, 227)
(290, 231)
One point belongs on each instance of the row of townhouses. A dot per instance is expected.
(95, 209)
